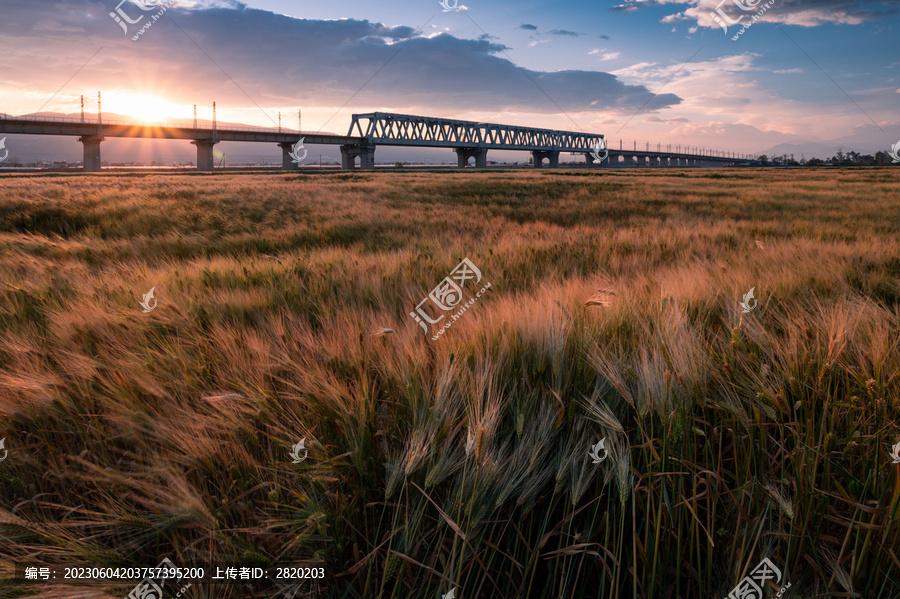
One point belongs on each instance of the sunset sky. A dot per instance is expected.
(573, 65)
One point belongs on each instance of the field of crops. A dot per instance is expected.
(460, 459)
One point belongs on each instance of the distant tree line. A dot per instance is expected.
(839, 159)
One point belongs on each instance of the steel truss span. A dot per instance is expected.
(385, 128)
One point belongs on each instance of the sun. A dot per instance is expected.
(145, 108)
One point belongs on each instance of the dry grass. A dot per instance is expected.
(460, 462)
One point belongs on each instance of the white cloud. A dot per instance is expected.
(805, 13)
(721, 98)
(679, 16)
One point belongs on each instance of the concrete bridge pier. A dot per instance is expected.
(287, 163)
(365, 152)
(91, 153)
(205, 159)
(463, 155)
(589, 159)
(552, 156)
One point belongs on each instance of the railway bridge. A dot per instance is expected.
(468, 139)
(472, 139)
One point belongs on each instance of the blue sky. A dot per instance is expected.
(647, 70)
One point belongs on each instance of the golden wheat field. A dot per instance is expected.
(735, 428)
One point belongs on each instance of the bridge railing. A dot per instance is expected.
(92, 120)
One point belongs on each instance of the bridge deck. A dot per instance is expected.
(371, 130)
(32, 126)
